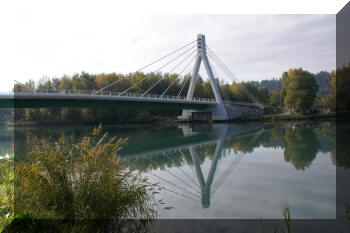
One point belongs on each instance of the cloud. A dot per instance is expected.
(254, 47)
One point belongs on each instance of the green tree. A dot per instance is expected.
(342, 86)
(328, 101)
(300, 147)
(275, 99)
(299, 89)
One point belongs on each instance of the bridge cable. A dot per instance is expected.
(212, 58)
(223, 64)
(170, 71)
(223, 94)
(174, 185)
(142, 68)
(183, 85)
(194, 173)
(227, 172)
(167, 189)
(218, 166)
(233, 76)
(147, 76)
(230, 74)
(175, 176)
(182, 170)
(179, 75)
(242, 89)
(217, 185)
(224, 174)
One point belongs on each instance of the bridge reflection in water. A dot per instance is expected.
(195, 186)
(265, 165)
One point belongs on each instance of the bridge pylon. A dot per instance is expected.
(219, 112)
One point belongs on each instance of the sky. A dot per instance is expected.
(49, 41)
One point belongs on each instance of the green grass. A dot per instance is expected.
(6, 192)
(297, 116)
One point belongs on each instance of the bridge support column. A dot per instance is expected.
(219, 112)
(206, 185)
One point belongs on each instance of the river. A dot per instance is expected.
(247, 170)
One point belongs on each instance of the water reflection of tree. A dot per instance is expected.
(342, 153)
(300, 142)
(300, 146)
(82, 181)
(275, 136)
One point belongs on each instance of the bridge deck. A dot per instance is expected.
(84, 98)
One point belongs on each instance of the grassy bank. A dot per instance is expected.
(298, 116)
(153, 120)
(159, 119)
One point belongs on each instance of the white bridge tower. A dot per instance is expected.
(219, 112)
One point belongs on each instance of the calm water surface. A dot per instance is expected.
(224, 171)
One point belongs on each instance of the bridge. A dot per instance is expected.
(220, 108)
(194, 186)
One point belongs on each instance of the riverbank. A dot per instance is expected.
(155, 120)
(161, 120)
(297, 116)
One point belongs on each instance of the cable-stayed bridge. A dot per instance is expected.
(193, 185)
(195, 53)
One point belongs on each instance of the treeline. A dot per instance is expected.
(300, 145)
(143, 81)
(297, 90)
(322, 80)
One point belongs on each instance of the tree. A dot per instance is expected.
(300, 147)
(275, 99)
(299, 89)
(44, 83)
(103, 80)
(322, 79)
(65, 83)
(342, 81)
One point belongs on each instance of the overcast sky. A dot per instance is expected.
(51, 43)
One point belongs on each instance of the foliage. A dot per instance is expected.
(6, 116)
(300, 147)
(341, 154)
(65, 180)
(328, 101)
(275, 99)
(86, 81)
(322, 79)
(342, 81)
(299, 95)
(287, 219)
(299, 89)
(298, 116)
(271, 85)
(6, 192)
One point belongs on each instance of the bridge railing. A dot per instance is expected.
(111, 93)
(129, 95)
